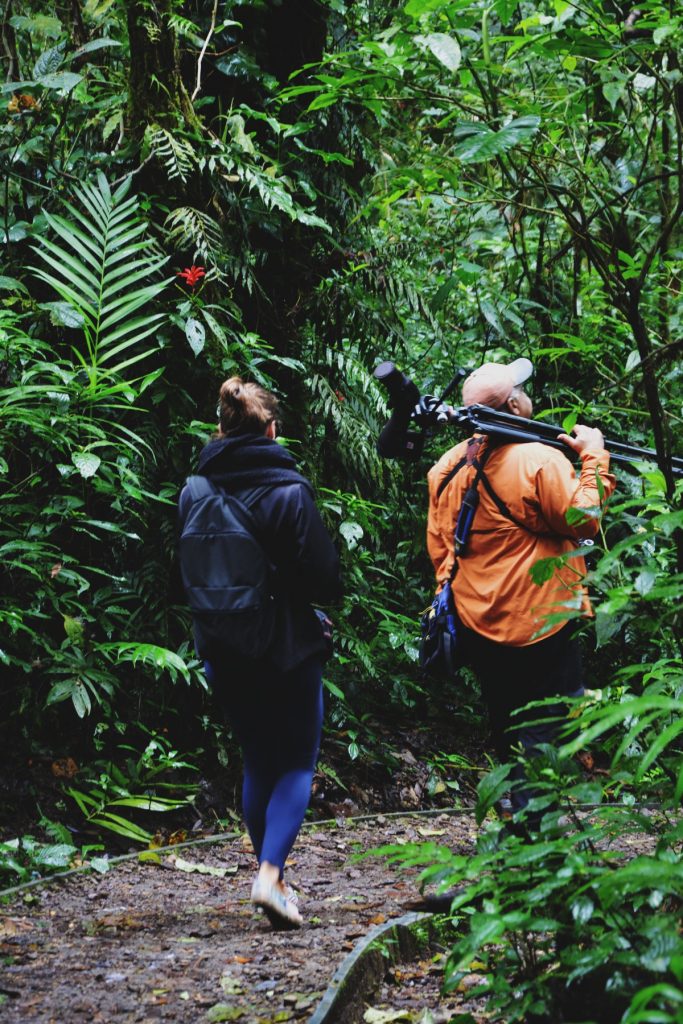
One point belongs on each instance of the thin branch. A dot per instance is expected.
(212, 29)
(137, 170)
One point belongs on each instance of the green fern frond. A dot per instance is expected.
(175, 153)
(352, 415)
(186, 28)
(190, 228)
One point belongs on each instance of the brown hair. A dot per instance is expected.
(245, 408)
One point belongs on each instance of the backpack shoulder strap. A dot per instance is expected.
(500, 504)
(465, 517)
(250, 497)
(449, 476)
(200, 487)
(203, 487)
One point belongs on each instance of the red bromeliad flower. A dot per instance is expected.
(192, 275)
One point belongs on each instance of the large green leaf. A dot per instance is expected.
(104, 269)
(481, 143)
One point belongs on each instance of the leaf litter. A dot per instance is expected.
(178, 940)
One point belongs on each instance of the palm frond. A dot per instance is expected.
(88, 263)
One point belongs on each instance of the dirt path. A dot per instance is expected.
(150, 942)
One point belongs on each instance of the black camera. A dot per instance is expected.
(408, 406)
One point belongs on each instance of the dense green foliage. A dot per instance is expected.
(438, 183)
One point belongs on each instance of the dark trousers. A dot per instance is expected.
(277, 719)
(511, 677)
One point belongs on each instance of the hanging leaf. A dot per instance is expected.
(49, 61)
(416, 8)
(62, 314)
(613, 91)
(215, 328)
(352, 533)
(87, 463)
(94, 44)
(444, 47)
(632, 361)
(65, 80)
(582, 909)
(16, 233)
(74, 629)
(483, 144)
(11, 284)
(80, 699)
(195, 332)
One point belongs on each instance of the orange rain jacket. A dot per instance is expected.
(494, 593)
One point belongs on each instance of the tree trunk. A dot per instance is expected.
(156, 93)
(69, 12)
(9, 46)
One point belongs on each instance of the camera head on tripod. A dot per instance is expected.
(396, 440)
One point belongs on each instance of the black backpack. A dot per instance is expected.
(226, 574)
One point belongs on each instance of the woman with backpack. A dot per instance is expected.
(265, 663)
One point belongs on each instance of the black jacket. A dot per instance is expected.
(306, 566)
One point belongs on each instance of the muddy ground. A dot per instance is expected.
(163, 941)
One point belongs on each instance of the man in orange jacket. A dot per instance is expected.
(518, 635)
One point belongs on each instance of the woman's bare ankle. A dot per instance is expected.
(268, 873)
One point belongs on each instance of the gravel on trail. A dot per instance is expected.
(175, 938)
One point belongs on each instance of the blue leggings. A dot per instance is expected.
(277, 720)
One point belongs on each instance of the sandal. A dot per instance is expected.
(279, 908)
(292, 895)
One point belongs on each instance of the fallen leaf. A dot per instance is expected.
(378, 919)
(308, 1000)
(149, 857)
(373, 1016)
(432, 831)
(13, 926)
(231, 986)
(201, 869)
(64, 768)
(220, 1012)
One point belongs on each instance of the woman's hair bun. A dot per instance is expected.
(245, 408)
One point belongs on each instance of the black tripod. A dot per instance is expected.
(515, 428)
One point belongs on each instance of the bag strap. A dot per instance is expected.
(470, 503)
(449, 476)
(200, 487)
(203, 487)
(501, 506)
